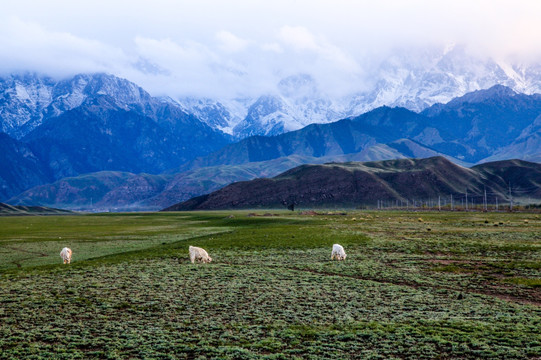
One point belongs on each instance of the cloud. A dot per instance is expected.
(231, 43)
(274, 47)
(30, 47)
(331, 65)
(244, 47)
(299, 38)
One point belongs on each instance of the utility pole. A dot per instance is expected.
(496, 203)
(452, 206)
(439, 203)
(510, 197)
(485, 199)
(466, 199)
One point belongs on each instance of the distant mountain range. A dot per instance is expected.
(91, 123)
(484, 124)
(116, 191)
(402, 181)
(412, 79)
(103, 142)
(10, 210)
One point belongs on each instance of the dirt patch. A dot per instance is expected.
(18, 262)
(26, 251)
(534, 299)
(448, 261)
(310, 212)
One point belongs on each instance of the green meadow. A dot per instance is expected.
(415, 285)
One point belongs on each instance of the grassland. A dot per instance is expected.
(414, 286)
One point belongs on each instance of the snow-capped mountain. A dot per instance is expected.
(223, 115)
(410, 78)
(297, 103)
(27, 100)
(417, 80)
(414, 79)
(53, 129)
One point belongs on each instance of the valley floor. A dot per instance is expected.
(415, 285)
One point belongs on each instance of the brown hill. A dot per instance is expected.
(8, 210)
(355, 184)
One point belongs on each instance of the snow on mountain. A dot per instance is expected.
(22, 100)
(297, 103)
(411, 78)
(414, 79)
(223, 115)
(27, 100)
(417, 80)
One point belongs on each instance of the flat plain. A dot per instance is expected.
(415, 285)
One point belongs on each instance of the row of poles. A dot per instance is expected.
(463, 202)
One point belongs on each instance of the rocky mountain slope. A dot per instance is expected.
(112, 190)
(346, 136)
(471, 128)
(409, 78)
(92, 123)
(20, 168)
(10, 210)
(360, 184)
(100, 136)
(478, 124)
(96, 123)
(28, 100)
(384, 133)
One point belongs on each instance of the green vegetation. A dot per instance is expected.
(466, 289)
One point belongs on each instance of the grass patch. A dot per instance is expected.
(535, 283)
(463, 290)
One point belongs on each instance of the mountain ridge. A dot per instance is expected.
(141, 134)
(412, 78)
(365, 184)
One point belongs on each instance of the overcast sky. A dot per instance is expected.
(232, 47)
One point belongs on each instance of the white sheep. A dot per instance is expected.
(65, 254)
(338, 252)
(196, 253)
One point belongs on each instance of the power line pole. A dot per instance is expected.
(466, 199)
(485, 200)
(452, 206)
(510, 197)
(439, 203)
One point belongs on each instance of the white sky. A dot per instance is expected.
(233, 47)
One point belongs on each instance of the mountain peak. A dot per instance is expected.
(496, 93)
(294, 85)
(478, 96)
(28, 99)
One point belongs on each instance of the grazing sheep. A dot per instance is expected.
(65, 254)
(338, 252)
(199, 254)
